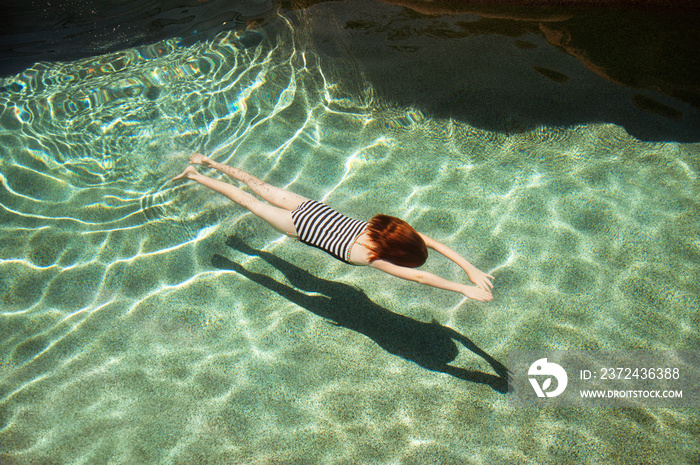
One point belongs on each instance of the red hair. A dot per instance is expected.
(396, 241)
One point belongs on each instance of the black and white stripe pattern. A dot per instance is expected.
(320, 226)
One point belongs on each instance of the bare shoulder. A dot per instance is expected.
(359, 255)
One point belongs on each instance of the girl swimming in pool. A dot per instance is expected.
(385, 243)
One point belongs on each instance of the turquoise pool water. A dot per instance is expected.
(147, 322)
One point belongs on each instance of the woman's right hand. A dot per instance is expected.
(477, 293)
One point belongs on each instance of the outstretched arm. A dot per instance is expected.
(476, 276)
(430, 279)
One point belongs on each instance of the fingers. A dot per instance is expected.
(482, 280)
(479, 294)
(486, 293)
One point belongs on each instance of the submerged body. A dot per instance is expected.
(385, 243)
(318, 225)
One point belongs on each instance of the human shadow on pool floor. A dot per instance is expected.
(430, 345)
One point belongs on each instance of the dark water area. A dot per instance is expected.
(499, 67)
(66, 31)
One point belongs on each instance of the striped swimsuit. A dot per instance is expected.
(320, 226)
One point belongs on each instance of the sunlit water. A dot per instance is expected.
(150, 322)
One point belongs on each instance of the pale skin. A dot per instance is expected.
(278, 213)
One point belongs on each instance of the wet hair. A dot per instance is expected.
(396, 241)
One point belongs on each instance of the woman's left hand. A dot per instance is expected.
(481, 279)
